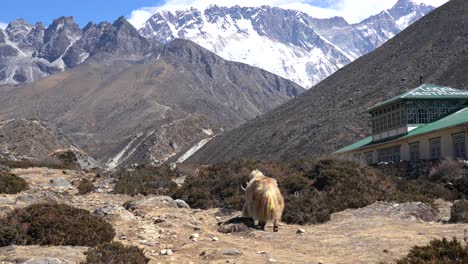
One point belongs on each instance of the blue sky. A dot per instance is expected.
(83, 10)
(138, 11)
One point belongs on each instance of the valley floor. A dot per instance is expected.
(381, 232)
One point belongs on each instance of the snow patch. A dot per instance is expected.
(405, 21)
(192, 150)
(208, 131)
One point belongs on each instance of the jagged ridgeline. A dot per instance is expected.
(289, 43)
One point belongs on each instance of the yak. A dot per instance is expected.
(263, 200)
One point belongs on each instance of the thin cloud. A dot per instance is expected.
(352, 10)
(3, 25)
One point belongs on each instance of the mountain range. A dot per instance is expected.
(289, 43)
(128, 98)
(333, 113)
(136, 101)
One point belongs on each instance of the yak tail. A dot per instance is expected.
(268, 205)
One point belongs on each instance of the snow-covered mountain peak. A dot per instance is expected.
(286, 42)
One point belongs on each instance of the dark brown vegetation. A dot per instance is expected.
(437, 252)
(459, 212)
(313, 188)
(54, 224)
(11, 184)
(49, 162)
(146, 180)
(115, 253)
(85, 186)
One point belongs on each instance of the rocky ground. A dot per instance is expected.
(171, 233)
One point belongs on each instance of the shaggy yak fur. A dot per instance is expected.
(263, 200)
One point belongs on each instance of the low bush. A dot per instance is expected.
(85, 186)
(146, 180)
(115, 253)
(54, 224)
(437, 252)
(459, 212)
(216, 186)
(446, 170)
(11, 184)
(313, 189)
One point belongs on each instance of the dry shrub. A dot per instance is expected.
(418, 190)
(146, 180)
(313, 189)
(85, 187)
(115, 253)
(437, 252)
(11, 184)
(459, 212)
(446, 170)
(461, 187)
(217, 186)
(54, 224)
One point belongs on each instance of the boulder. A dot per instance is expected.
(182, 204)
(151, 201)
(60, 183)
(112, 212)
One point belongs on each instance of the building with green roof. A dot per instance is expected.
(429, 122)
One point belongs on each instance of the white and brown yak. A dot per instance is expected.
(263, 200)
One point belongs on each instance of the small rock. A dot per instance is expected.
(214, 239)
(4, 168)
(272, 260)
(149, 243)
(300, 231)
(158, 220)
(182, 204)
(232, 252)
(166, 252)
(123, 237)
(218, 218)
(261, 252)
(194, 236)
(196, 228)
(60, 182)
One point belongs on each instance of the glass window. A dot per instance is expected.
(369, 158)
(414, 151)
(435, 148)
(391, 154)
(459, 147)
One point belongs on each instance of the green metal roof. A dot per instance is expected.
(359, 144)
(457, 118)
(426, 91)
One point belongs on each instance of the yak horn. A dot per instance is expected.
(243, 188)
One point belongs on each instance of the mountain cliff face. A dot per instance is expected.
(288, 43)
(333, 114)
(132, 101)
(29, 53)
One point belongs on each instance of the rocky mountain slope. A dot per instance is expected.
(24, 139)
(333, 114)
(132, 101)
(21, 138)
(31, 52)
(288, 43)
